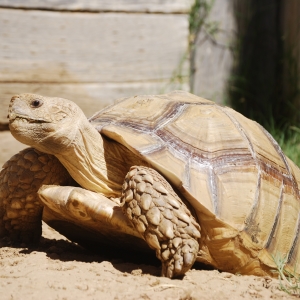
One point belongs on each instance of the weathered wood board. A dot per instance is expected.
(91, 58)
(213, 59)
(9, 146)
(91, 97)
(43, 46)
(163, 6)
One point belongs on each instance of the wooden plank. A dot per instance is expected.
(9, 146)
(213, 60)
(44, 46)
(161, 6)
(90, 97)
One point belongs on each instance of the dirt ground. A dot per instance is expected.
(60, 269)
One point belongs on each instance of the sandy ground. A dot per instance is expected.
(60, 269)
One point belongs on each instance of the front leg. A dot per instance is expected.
(89, 218)
(20, 207)
(162, 219)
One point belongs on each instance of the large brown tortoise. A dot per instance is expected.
(192, 179)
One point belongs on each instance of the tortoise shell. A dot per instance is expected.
(244, 190)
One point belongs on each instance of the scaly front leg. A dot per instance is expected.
(162, 219)
(20, 207)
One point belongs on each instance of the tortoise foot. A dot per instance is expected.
(27, 237)
(20, 207)
(177, 260)
(162, 219)
(20, 228)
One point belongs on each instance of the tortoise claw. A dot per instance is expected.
(182, 260)
(162, 219)
(28, 237)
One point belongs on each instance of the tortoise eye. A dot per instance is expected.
(36, 103)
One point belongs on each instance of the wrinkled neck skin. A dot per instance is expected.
(84, 160)
(95, 163)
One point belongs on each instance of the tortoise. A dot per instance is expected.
(175, 173)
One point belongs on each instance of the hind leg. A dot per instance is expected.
(162, 219)
(20, 207)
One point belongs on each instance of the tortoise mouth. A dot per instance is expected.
(25, 119)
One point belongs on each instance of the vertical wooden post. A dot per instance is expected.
(290, 31)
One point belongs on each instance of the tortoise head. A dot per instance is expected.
(47, 124)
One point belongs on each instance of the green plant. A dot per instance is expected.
(265, 84)
(197, 21)
(178, 76)
(288, 282)
(288, 139)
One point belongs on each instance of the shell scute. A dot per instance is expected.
(206, 131)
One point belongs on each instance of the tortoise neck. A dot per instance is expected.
(84, 159)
